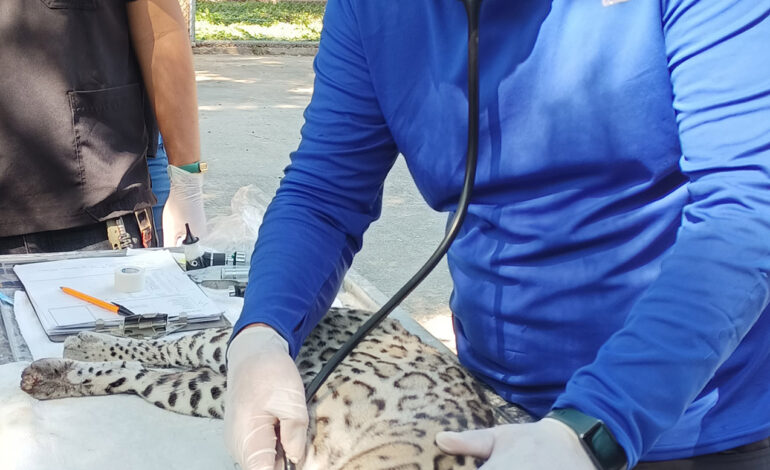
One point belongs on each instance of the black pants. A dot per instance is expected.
(754, 456)
(86, 238)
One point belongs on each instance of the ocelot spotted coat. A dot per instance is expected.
(380, 409)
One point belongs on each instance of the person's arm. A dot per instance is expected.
(330, 194)
(713, 284)
(162, 46)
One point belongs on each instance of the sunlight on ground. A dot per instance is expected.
(440, 326)
(204, 76)
(268, 61)
(302, 90)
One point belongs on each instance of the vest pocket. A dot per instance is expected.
(70, 4)
(111, 144)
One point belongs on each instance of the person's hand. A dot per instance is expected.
(545, 444)
(184, 205)
(263, 389)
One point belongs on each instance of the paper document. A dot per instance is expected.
(167, 290)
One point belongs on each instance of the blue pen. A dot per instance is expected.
(6, 299)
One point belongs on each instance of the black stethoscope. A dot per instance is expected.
(472, 8)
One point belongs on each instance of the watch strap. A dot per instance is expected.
(595, 438)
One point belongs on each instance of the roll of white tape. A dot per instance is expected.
(129, 279)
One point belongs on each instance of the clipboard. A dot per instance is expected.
(170, 301)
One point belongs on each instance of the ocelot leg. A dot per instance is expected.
(196, 392)
(205, 348)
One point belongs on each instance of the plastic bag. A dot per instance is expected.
(238, 231)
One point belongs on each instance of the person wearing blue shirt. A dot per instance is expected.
(613, 266)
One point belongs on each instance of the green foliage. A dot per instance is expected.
(238, 20)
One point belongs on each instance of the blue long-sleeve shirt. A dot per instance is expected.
(616, 251)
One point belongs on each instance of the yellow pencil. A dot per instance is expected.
(112, 307)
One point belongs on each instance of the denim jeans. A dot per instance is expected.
(160, 185)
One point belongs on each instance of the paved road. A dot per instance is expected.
(251, 113)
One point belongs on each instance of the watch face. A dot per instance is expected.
(203, 166)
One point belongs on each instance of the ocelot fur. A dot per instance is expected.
(380, 409)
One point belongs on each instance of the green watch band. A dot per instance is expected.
(197, 167)
(595, 438)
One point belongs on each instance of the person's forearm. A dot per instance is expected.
(296, 269)
(159, 35)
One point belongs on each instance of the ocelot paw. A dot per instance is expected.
(45, 379)
(88, 346)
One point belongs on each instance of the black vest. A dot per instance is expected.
(75, 123)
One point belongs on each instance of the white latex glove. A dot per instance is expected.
(184, 205)
(263, 389)
(545, 444)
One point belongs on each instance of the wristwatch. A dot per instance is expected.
(197, 167)
(595, 437)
